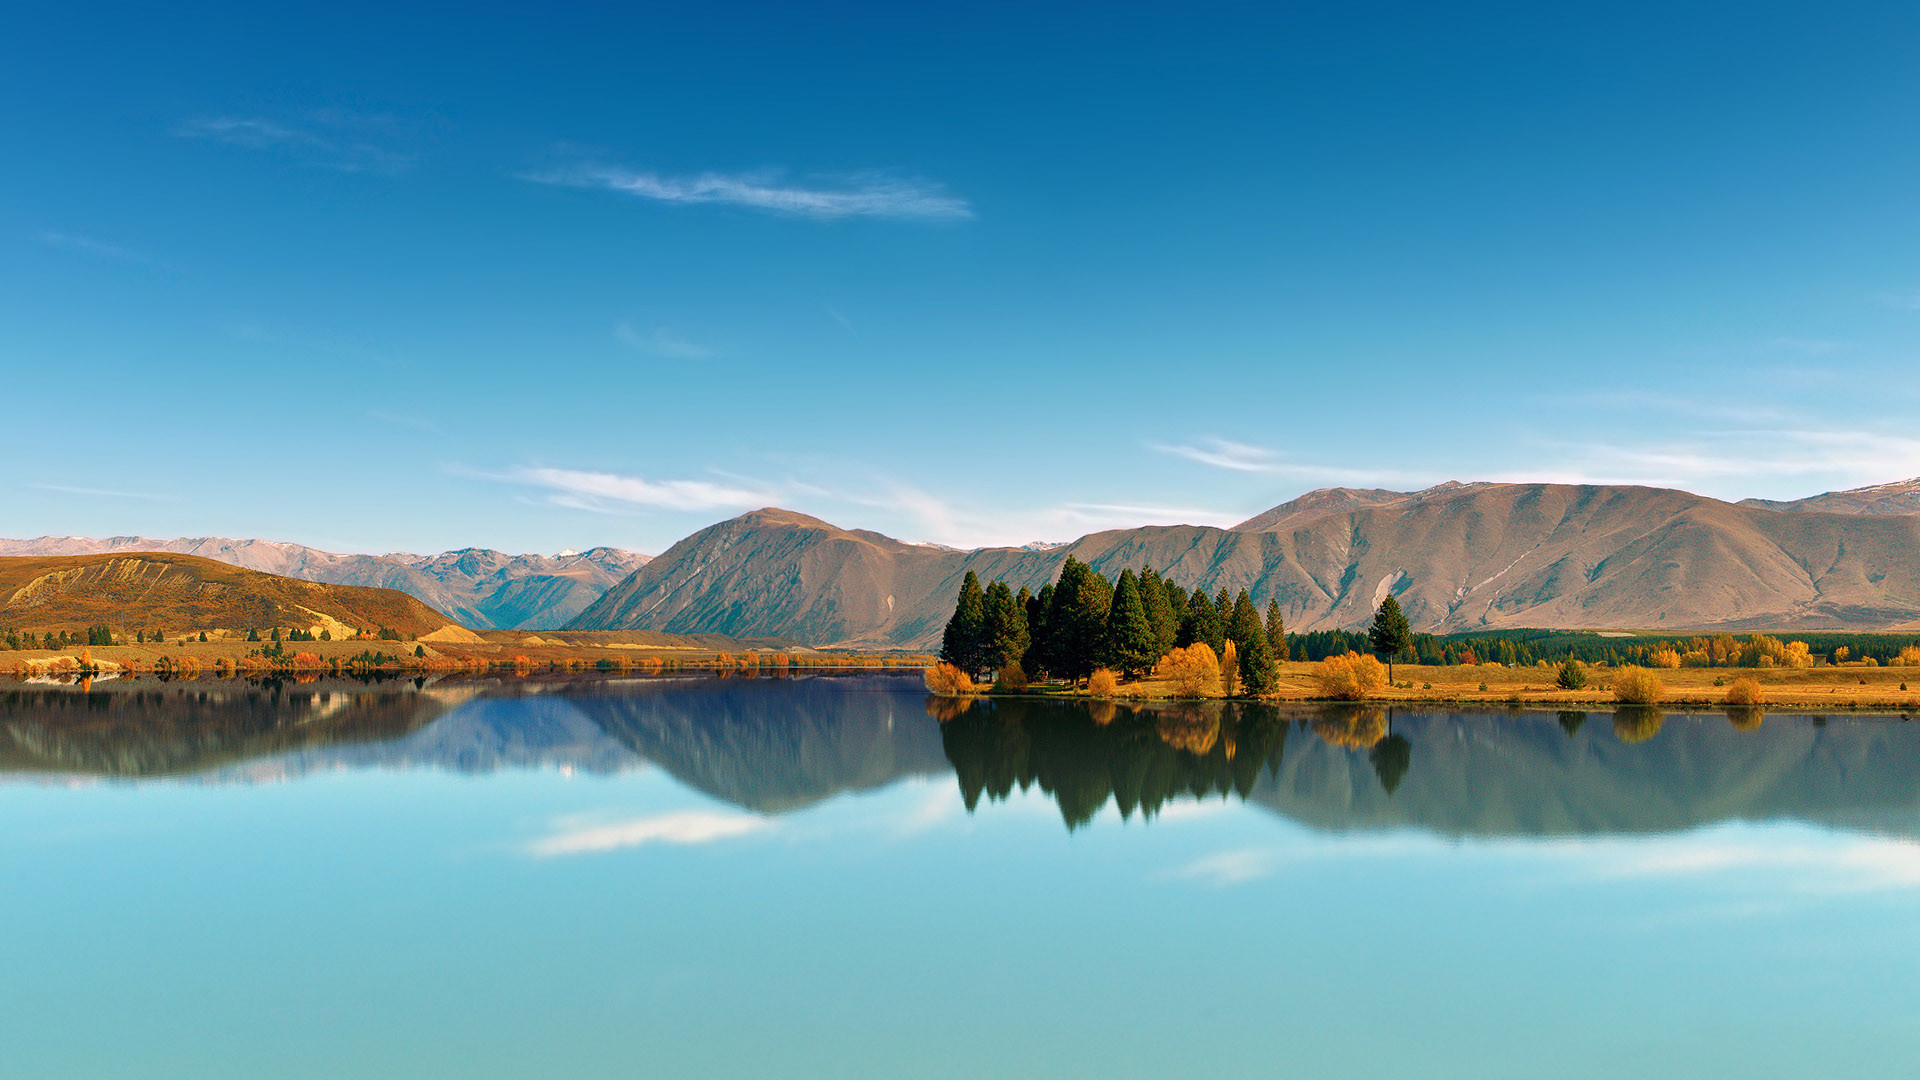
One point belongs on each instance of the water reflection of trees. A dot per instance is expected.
(1142, 758)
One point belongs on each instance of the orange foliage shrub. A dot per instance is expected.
(1637, 686)
(1909, 657)
(1745, 692)
(1194, 671)
(948, 681)
(1102, 683)
(307, 660)
(1664, 657)
(1350, 677)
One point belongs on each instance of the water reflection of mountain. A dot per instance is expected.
(764, 744)
(1456, 774)
(778, 745)
(135, 731)
(774, 745)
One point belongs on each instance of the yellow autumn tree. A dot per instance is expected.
(1637, 686)
(1194, 671)
(1350, 677)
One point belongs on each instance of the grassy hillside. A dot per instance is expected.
(181, 594)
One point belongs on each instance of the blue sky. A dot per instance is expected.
(374, 279)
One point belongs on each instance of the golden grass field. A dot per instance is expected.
(236, 656)
(1846, 686)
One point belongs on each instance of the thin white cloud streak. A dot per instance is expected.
(1807, 346)
(583, 490)
(333, 149)
(865, 195)
(660, 342)
(85, 246)
(1849, 458)
(102, 493)
(400, 420)
(939, 521)
(1218, 453)
(682, 828)
(845, 323)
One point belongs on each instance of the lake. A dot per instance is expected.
(838, 876)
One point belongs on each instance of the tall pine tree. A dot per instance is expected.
(1390, 635)
(1038, 661)
(1276, 632)
(1004, 634)
(1244, 624)
(1129, 641)
(961, 644)
(1160, 611)
(1077, 620)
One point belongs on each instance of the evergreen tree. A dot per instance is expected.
(1129, 645)
(1003, 636)
(1259, 672)
(1203, 624)
(203, 637)
(1077, 620)
(1038, 661)
(1390, 635)
(155, 636)
(1243, 625)
(961, 644)
(1161, 614)
(253, 634)
(1276, 632)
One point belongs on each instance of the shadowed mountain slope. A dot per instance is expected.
(178, 593)
(481, 588)
(1459, 557)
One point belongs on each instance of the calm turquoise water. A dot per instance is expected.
(814, 877)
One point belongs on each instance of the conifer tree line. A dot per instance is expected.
(1083, 622)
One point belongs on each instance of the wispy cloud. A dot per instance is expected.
(573, 836)
(1807, 346)
(402, 420)
(845, 323)
(86, 246)
(862, 195)
(601, 491)
(329, 140)
(1234, 456)
(100, 493)
(661, 342)
(1908, 300)
(1847, 457)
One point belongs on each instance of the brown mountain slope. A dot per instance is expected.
(480, 587)
(1461, 557)
(181, 593)
(1900, 497)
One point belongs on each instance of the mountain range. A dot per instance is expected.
(1459, 557)
(479, 588)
